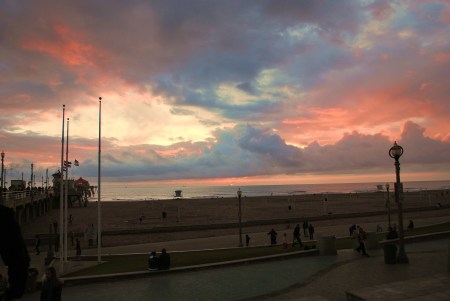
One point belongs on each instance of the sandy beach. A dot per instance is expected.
(147, 215)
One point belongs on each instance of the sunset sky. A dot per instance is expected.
(227, 92)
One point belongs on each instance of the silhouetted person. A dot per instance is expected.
(78, 248)
(164, 260)
(273, 237)
(55, 226)
(379, 228)
(247, 240)
(37, 245)
(392, 234)
(14, 253)
(56, 243)
(410, 225)
(305, 228)
(51, 286)
(352, 230)
(361, 236)
(311, 231)
(3, 286)
(153, 261)
(296, 236)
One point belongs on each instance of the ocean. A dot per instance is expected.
(140, 192)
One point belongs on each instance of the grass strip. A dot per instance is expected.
(138, 262)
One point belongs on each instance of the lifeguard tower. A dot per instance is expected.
(178, 194)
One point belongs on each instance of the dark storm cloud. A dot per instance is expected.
(248, 151)
(288, 70)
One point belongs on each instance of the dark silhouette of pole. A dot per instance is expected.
(239, 193)
(31, 183)
(99, 210)
(61, 197)
(2, 179)
(396, 152)
(388, 205)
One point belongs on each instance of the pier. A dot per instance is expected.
(27, 204)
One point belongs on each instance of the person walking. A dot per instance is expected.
(311, 231)
(51, 286)
(296, 236)
(247, 240)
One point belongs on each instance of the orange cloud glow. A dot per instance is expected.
(68, 47)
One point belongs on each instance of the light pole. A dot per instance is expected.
(1, 187)
(396, 152)
(239, 194)
(388, 205)
(31, 183)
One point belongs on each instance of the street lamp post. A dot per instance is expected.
(239, 193)
(396, 152)
(388, 205)
(1, 187)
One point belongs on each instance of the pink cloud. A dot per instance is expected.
(442, 57)
(67, 47)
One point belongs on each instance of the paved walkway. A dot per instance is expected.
(426, 260)
(312, 278)
(433, 288)
(321, 277)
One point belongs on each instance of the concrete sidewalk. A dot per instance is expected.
(326, 277)
(428, 260)
(309, 278)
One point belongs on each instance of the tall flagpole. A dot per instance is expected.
(61, 198)
(67, 192)
(99, 213)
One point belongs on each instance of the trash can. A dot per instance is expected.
(390, 254)
(31, 280)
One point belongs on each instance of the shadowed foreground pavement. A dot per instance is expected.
(314, 278)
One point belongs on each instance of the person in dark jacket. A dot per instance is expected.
(311, 231)
(51, 286)
(14, 253)
(273, 237)
(164, 260)
(296, 236)
(153, 261)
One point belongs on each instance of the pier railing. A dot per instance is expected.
(13, 199)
